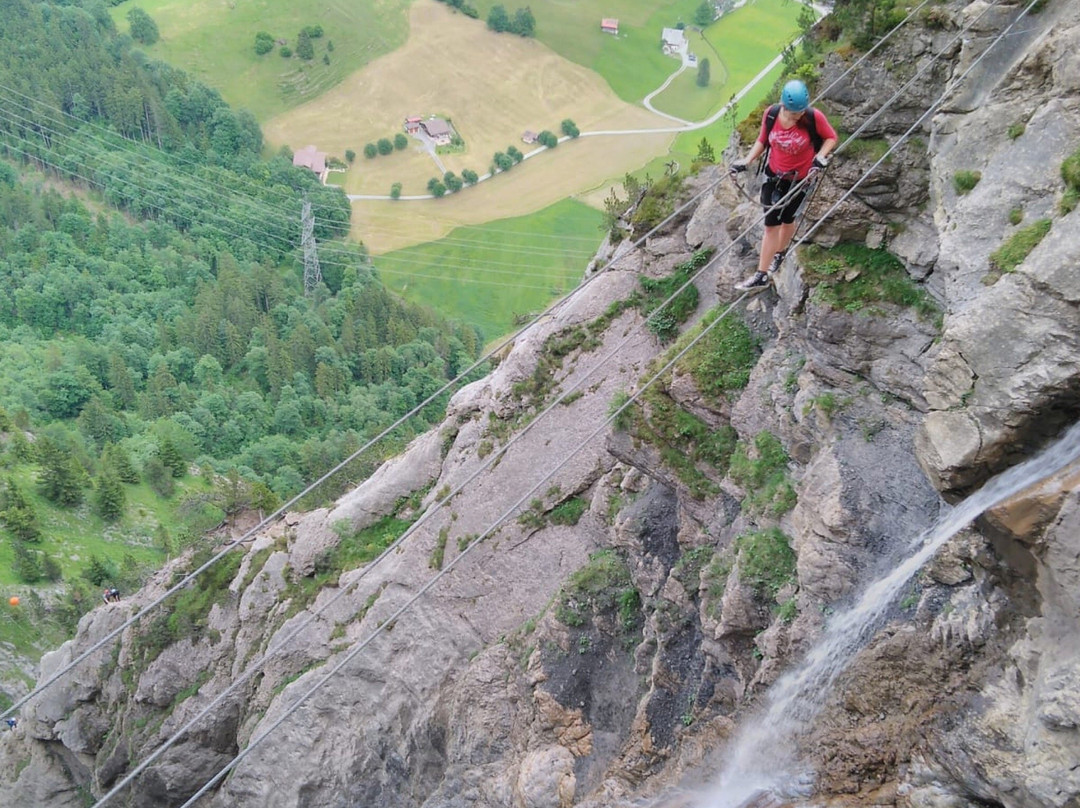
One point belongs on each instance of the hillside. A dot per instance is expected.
(581, 586)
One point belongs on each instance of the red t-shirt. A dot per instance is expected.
(792, 149)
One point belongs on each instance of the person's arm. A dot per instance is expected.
(828, 135)
(755, 151)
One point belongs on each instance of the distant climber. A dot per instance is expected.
(11, 723)
(798, 140)
(111, 595)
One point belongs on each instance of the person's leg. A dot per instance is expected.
(773, 243)
(786, 232)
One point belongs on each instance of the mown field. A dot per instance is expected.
(493, 88)
(214, 41)
(489, 274)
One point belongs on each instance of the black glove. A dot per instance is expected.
(737, 167)
(820, 162)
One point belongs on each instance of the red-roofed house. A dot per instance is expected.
(311, 158)
(412, 124)
(438, 130)
(609, 25)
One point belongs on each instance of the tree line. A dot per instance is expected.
(161, 325)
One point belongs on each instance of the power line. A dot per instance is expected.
(272, 517)
(282, 245)
(36, 104)
(523, 331)
(191, 576)
(435, 507)
(70, 171)
(391, 620)
(56, 676)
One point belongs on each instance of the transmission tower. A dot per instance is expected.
(312, 273)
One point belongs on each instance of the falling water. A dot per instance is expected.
(761, 759)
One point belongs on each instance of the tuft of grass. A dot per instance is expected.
(766, 561)
(688, 569)
(654, 291)
(686, 443)
(1015, 130)
(624, 418)
(787, 611)
(1018, 246)
(533, 517)
(438, 552)
(762, 474)
(1016, 215)
(191, 607)
(964, 181)
(853, 277)
(603, 585)
(714, 577)
(872, 149)
(1070, 173)
(569, 512)
(721, 362)
(826, 403)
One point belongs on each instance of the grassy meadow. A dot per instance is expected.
(493, 87)
(72, 536)
(738, 46)
(488, 274)
(215, 42)
(632, 62)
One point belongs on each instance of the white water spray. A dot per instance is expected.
(761, 758)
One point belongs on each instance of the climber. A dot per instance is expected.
(11, 723)
(111, 595)
(797, 139)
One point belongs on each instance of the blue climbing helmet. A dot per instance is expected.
(795, 96)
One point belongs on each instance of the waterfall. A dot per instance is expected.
(760, 760)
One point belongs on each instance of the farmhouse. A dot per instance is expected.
(412, 124)
(529, 136)
(438, 130)
(673, 41)
(311, 158)
(609, 25)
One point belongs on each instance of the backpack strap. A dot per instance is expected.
(770, 122)
(809, 123)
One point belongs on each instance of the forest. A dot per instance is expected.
(153, 315)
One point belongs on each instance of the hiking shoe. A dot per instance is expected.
(759, 280)
(777, 260)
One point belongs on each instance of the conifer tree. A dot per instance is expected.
(18, 514)
(117, 458)
(172, 459)
(159, 478)
(109, 497)
(26, 564)
(61, 477)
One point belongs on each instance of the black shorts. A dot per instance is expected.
(772, 191)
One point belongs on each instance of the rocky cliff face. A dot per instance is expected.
(647, 581)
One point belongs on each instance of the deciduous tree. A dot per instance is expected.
(498, 20)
